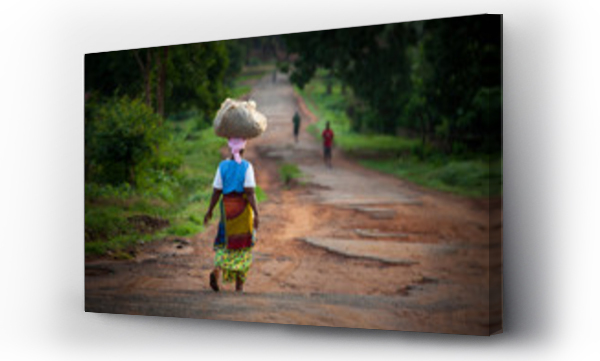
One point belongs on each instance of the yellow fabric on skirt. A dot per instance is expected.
(237, 228)
(233, 263)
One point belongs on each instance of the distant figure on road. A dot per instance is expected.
(274, 76)
(296, 121)
(327, 144)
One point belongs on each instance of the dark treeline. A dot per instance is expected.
(169, 79)
(177, 78)
(131, 94)
(439, 80)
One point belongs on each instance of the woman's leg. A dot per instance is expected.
(239, 282)
(214, 279)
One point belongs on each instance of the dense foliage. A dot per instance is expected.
(196, 81)
(438, 79)
(170, 80)
(129, 93)
(149, 158)
(123, 136)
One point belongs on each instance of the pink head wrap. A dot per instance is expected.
(236, 144)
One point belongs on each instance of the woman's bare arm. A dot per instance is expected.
(252, 199)
(213, 202)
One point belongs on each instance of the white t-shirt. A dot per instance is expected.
(249, 181)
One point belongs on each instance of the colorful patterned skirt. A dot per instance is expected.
(235, 238)
(234, 264)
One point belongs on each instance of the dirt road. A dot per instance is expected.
(346, 247)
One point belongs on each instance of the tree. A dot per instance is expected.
(110, 72)
(465, 55)
(236, 52)
(196, 80)
(145, 63)
(126, 134)
(369, 59)
(170, 79)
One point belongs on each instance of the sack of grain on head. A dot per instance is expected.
(239, 119)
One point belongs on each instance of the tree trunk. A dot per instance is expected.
(273, 44)
(423, 135)
(145, 69)
(451, 133)
(248, 53)
(147, 78)
(162, 80)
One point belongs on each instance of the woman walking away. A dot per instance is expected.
(239, 222)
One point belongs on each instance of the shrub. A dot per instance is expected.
(289, 172)
(126, 133)
(104, 223)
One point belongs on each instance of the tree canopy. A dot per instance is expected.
(440, 79)
(170, 79)
(129, 94)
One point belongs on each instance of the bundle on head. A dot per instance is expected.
(239, 119)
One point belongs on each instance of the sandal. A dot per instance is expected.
(213, 282)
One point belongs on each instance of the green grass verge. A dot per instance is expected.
(474, 176)
(181, 199)
(331, 108)
(261, 195)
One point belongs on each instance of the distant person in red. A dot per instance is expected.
(327, 144)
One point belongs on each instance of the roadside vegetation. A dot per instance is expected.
(468, 174)
(421, 99)
(289, 174)
(149, 176)
(164, 202)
